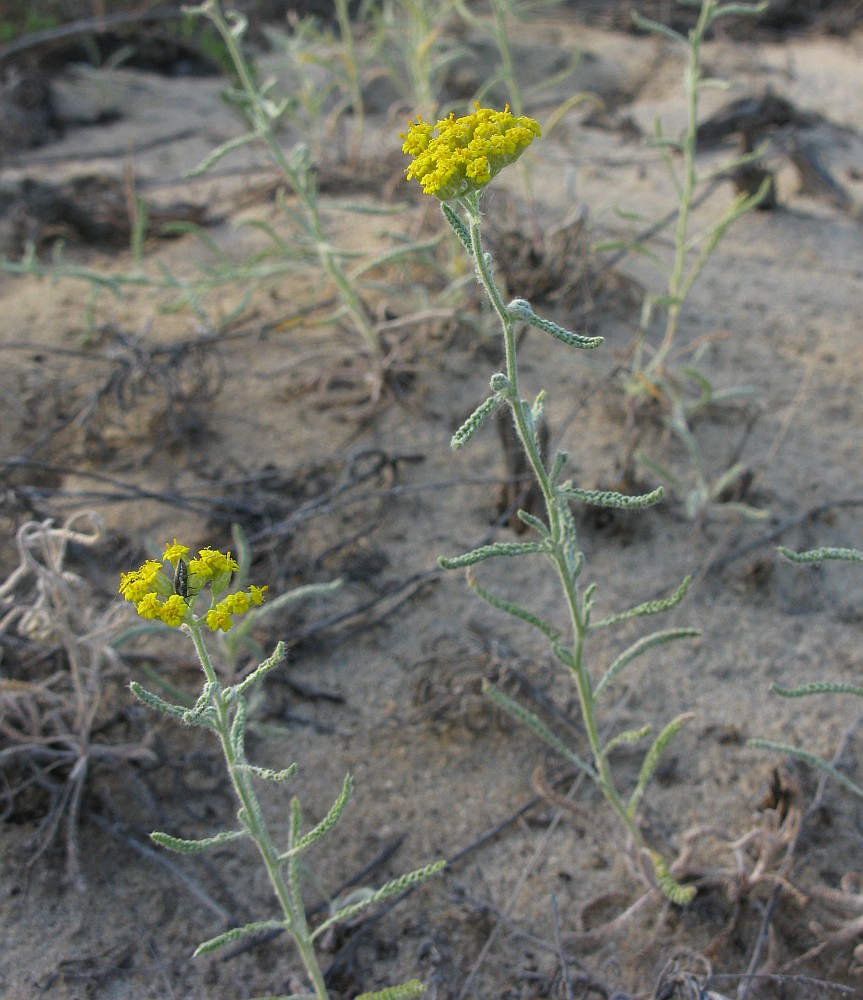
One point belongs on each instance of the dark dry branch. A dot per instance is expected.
(357, 616)
(120, 832)
(358, 382)
(248, 500)
(554, 263)
(96, 209)
(776, 532)
(388, 851)
(35, 496)
(561, 955)
(175, 381)
(86, 26)
(763, 859)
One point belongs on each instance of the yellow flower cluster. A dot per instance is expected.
(219, 616)
(155, 594)
(466, 152)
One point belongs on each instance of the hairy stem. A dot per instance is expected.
(574, 658)
(676, 279)
(252, 818)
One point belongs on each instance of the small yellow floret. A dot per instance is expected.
(256, 594)
(132, 587)
(174, 552)
(174, 611)
(237, 604)
(210, 562)
(138, 582)
(150, 570)
(149, 606)
(219, 618)
(466, 152)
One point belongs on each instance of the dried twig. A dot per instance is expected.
(50, 734)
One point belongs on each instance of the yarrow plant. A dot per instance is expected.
(650, 374)
(658, 373)
(454, 160)
(172, 597)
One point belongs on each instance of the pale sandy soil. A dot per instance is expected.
(375, 497)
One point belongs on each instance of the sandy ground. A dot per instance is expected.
(262, 421)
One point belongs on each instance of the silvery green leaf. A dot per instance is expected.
(392, 888)
(516, 610)
(411, 990)
(656, 27)
(534, 522)
(521, 309)
(652, 758)
(678, 894)
(639, 647)
(460, 229)
(474, 421)
(533, 722)
(154, 701)
(609, 498)
(818, 687)
(325, 825)
(258, 927)
(490, 551)
(816, 555)
(648, 608)
(809, 758)
(267, 773)
(193, 846)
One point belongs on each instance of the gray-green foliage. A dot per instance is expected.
(817, 687)
(308, 246)
(412, 43)
(658, 372)
(557, 542)
(691, 251)
(224, 710)
(702, 494)
(263, 109)
(498, 22)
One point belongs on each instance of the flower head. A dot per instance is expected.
(466, 152)
(174, 610)
(174, 552)
(152, 589)
(132, 587)
(149, 606)
(219, 618)
(239, 603)
(211, 562)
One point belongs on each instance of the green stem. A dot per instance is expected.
(678, 284)
(301, 180)
(574, 658)
(423, 37)
(252, 818)
(507, 67)
(349, 55)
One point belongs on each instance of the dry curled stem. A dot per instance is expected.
(63, 654)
